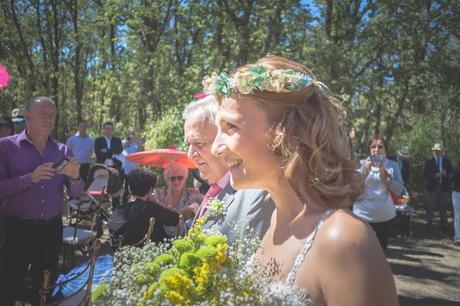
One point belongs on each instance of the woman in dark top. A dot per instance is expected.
(132, 218)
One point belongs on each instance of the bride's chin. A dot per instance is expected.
(237, 181)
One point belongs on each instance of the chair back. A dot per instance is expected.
(122, 241)
(47, 288)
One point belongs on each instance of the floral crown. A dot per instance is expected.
(258, 78)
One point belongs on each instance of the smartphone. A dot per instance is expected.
(60, 163)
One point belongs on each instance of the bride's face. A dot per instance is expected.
(243, 141)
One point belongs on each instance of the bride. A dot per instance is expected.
(278, 129)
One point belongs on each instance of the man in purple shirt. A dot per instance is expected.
(32, 198)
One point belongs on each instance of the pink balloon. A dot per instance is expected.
(4, 77)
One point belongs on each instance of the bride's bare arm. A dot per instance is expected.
(352, 269)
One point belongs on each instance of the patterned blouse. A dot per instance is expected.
(189, 195)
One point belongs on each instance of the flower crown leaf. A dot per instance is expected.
(258, 78)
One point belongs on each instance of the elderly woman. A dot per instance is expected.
(381, 177)
(176, 196)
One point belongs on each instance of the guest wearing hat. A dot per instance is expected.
(437, 172)
(401, 158)
(17, 116)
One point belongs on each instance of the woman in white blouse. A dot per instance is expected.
(382, 177)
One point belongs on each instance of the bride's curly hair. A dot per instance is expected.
(308, 136)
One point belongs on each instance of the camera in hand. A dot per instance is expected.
(60, 163)
(377, 160)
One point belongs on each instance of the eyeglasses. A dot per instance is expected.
(378, 147)
(179, 178)
(4, 125)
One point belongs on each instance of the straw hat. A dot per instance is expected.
(17, 115)
(404, 152)
(437, 147)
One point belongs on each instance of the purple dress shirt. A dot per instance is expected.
(18, 196)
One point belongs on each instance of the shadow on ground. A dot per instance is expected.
(425, 263)
(405, 301)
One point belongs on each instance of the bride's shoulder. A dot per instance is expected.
(342, 231)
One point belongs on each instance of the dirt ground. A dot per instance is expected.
(426, 264)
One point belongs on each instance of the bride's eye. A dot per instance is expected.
(230, 127)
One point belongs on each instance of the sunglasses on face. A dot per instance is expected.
(174, 178)
(377, 147)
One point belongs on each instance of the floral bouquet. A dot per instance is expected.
(199, 269)
(402, 202)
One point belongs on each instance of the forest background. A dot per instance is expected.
(395, 64)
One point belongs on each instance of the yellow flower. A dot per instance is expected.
(174, 297)
(221, 252)
(202, 273)
(148, 293)
(178, 281)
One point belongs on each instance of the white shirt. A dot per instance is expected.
(376, 204)
(108, 161)
(82, 147)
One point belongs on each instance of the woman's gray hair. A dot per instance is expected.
(205, 108)
(174, 167)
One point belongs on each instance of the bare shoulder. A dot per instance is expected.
(348, 258)
(346, 233)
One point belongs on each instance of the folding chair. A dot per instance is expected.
(83, 293)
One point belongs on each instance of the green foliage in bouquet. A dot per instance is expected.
(199, 269)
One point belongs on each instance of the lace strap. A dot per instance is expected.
(301, 257)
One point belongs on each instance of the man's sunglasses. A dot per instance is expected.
(173, 178)
(378, 147)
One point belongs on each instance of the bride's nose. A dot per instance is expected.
(219, 148)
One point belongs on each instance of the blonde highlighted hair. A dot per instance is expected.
(308, 136)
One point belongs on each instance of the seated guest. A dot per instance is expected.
(175, 195)
(132, 219)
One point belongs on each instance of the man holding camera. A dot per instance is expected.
(34, 167)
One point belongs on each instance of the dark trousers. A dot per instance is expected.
(382, 230)
(436, 199)
(28, 243)
(84, 169)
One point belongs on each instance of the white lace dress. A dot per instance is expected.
(286, 293)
